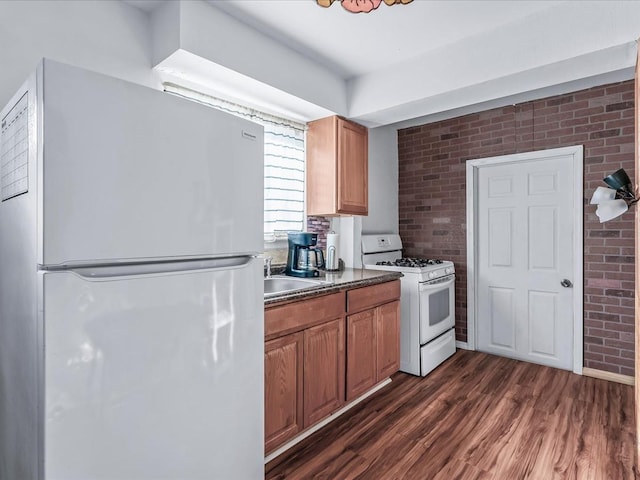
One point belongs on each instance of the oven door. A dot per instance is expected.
(437, 307)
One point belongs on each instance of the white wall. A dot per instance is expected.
(383, 197)
(383, 181)
(105, 36)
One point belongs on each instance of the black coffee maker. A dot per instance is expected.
(304, 260)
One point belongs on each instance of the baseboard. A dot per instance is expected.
(612, 377)
(279, 451)
(462, 345)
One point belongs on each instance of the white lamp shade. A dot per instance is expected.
(603, 194)
(609, 210)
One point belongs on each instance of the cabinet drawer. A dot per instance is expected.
(299, 315)
(367, 297)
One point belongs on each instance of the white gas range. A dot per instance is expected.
(427, 302)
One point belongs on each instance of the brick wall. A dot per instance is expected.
(432, 202)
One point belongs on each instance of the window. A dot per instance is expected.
(283, 162)
(283, 179)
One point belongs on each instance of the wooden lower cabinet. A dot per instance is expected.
(388, 339)
(373, 347)
(324, 365)
(304, 375)
(361, 348)
(283, 389)
(317, 358)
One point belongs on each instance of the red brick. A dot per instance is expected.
(607, 367)
(627, 371)
(623, 362)
(604, 350)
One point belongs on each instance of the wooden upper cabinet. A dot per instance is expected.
(337, 167)
(353, 168)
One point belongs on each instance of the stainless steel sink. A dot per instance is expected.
(282, 284)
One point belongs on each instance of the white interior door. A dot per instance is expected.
(525, 252)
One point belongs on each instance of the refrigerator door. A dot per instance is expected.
(130, 173)
(154, 375)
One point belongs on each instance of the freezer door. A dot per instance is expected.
(132, 173)
(154, 375)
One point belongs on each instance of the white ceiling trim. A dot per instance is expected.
(567, 45)
(201, 44)
(610, 65)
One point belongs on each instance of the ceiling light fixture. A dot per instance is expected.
(362, 6)
(613, 202)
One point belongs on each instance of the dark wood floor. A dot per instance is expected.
(477, 416)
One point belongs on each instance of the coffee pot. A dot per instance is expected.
(303, 259)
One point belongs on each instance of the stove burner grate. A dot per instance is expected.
(411, 262)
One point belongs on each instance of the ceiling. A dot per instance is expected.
(411, 62)
(355, 44)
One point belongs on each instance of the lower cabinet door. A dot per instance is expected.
(361, 353)
(324, 361)
(388, 339)
(283, 362)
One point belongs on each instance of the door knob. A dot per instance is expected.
(566, 283)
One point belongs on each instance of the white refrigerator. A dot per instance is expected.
(131, 295)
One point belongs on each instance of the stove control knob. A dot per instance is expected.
(449, 270)
(432, 274)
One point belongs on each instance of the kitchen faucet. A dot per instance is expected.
(267, 261)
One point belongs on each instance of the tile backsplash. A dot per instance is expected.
(321, 226)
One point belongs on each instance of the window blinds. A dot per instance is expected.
(283, 161)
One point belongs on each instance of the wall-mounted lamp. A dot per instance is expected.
(613, 202)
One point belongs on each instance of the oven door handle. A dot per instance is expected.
(425, 286)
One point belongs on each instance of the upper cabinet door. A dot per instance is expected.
(337, 167)
(130, 173)
(352, 168)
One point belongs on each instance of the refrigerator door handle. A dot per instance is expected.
(113, 272)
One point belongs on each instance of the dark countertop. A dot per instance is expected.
(335, 281)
